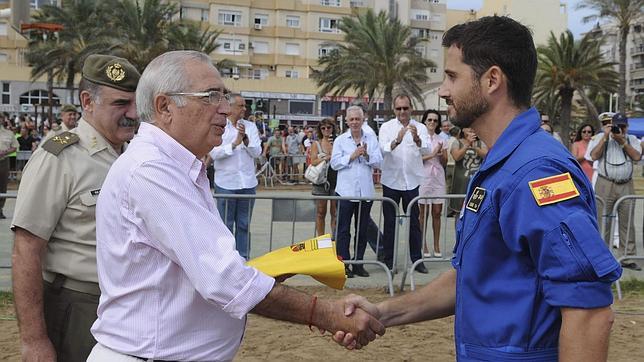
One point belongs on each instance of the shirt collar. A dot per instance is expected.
(91, 139)
(522, 126)
(185, 159)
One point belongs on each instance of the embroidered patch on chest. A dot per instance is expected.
(478, 195)
(550, 190)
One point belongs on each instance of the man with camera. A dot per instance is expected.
(616, 151)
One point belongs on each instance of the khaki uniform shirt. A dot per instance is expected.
(55, 131)
(7, 141)
(57, 201)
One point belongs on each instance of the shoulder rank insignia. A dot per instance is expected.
(59, 142)
(550, 190)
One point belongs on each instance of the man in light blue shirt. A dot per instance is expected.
(355, 155)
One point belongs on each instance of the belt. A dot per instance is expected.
(59, 280)
(150, 360)
(618, 182)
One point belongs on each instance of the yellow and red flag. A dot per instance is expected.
(550, 190)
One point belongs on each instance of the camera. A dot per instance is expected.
(615, 129)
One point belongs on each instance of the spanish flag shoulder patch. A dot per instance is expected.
(550, 190)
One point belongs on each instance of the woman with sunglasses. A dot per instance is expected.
(321, 151)
(579, 147)
(434, 182)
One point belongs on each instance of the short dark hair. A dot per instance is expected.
(401, 95)
(500, 41)
(437, 130)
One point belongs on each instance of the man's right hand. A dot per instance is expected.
(607, 129)
(401, 134)
(360, 325)
(40, 350)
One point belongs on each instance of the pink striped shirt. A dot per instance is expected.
(172, 285)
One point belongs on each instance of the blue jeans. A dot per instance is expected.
(237, 212)
(347, 209)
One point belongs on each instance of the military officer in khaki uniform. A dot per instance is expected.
(69, 117)
(8, 144)
(54, 258)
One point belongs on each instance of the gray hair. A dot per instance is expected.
(93, 89)
(165, 74)
(354, 109)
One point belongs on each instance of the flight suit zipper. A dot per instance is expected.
(576, 253)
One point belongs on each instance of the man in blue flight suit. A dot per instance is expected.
(532, 276)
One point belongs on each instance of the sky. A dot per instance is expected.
(575, 24)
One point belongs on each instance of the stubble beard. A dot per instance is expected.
(470, 109)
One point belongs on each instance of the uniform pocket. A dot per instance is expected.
(89, 198)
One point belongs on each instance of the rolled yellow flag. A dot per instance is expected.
(315, 257)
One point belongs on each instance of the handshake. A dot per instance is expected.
(353, 320)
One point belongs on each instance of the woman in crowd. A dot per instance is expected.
(578, 148)
(434, 182)
(468, 153)
(321, 150)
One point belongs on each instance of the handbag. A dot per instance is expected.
(317, 174)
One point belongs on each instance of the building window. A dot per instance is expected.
(292, 49)
(330, 3)
(300, 107)
(424, 17)
(293, 21)
(3, 57)
(420, 33)
(232, 46)
(420, 50)
(230, 18)
(261, 19)
(205, 15)
(433, 53)
(432, 70)
(3, 29)
(37, 4)
(292, 74)
(5, 93)
(260, 47)
(325, 51)
(258, 73)
(38, 96)
(328, 25)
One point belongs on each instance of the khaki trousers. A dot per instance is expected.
(610, 192)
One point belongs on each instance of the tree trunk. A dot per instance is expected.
(566, 108)
(71, 73)
(388, 99)
(623, 35)
(50, 97)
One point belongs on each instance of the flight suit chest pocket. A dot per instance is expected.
(89, 198)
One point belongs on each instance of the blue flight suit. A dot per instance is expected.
(518, 263)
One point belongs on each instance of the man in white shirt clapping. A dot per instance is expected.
(402, 140)
(234, 162)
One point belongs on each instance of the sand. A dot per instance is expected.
(267, 339)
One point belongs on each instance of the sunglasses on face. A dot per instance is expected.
(326, 128)
(402, 108)
(432, 120)
(586, 131)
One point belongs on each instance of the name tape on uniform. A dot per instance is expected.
(474, 204)
(553, 189)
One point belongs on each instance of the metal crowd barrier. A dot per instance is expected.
(303, 209)
(270, 174)
(445, 226)
(409, 270)
(611, 225)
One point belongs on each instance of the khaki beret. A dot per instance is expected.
(111, 71)
(68, 108)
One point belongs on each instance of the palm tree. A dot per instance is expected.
(378, 54)
(624, 13)
(61, 55)
(566, 66)
(147, 30)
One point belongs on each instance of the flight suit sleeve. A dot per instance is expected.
(561, 238)
(43, 194)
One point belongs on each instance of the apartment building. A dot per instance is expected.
(634, 56)
(274, 43)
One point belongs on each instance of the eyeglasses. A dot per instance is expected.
(326, 128)
(432, 120)
(402, 108)
(587, 131)
(211, 97)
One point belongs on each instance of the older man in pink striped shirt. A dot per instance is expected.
(172, 285)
